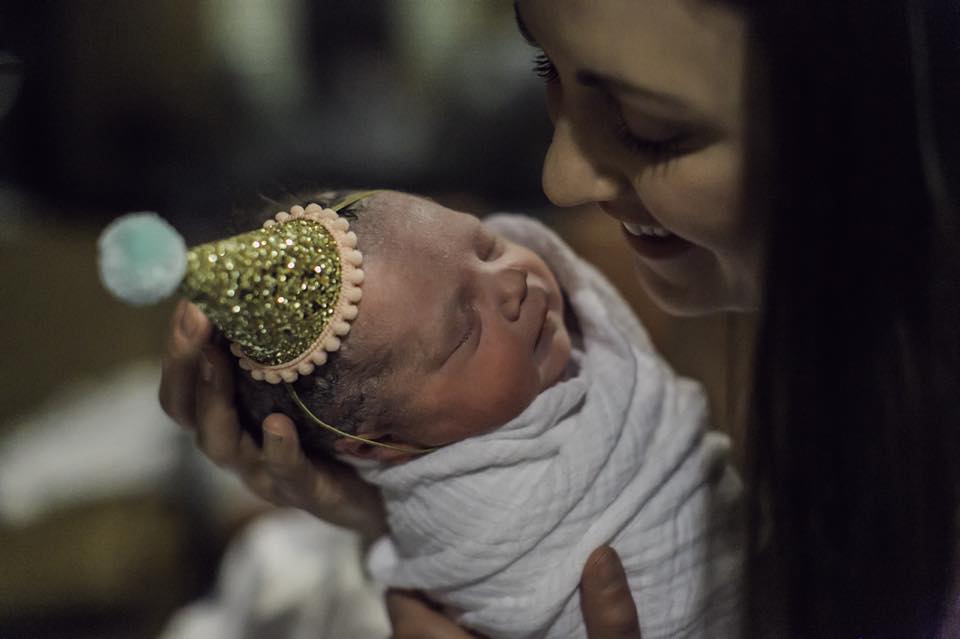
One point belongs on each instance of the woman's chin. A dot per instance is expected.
(692, 295)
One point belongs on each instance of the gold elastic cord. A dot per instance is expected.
(342, 204)
(319, 422)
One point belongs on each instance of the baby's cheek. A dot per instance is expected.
(698, 196)
(518, 383)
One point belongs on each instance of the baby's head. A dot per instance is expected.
(458, 331)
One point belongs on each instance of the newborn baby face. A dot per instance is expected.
(474, 322)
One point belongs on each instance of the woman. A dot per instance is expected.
(796, 156)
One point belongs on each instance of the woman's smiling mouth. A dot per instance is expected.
(654, 242)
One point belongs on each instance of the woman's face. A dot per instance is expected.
(647, 101)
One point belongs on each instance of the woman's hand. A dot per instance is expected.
(605, 600)
(196, 390)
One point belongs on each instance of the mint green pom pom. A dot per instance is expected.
(142, 258)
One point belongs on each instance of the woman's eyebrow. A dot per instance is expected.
(593, 79)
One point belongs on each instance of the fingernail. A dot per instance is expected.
(275, 437)
(189, 322)
(607, 566)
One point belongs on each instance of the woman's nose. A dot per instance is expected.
(510, 286)
(573, 173)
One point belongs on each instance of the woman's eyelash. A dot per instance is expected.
(544, 68)
(657, 150)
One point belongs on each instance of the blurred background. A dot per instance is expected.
(109, 521)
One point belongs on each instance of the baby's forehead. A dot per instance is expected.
(423, 240)
(412, 276)
(422, 216)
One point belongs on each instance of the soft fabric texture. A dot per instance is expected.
(288, 576)
(499, 526)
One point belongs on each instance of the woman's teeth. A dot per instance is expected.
(643, 230)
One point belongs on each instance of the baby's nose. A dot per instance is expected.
(511, 287)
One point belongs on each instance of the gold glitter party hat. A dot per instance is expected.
(284, 294)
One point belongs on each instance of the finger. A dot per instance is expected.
(411, 618)
(348, 500)
(325, 487)
(248, 459)
(250, 455)
(218, 430)
(605, 599)
(262, 484)
(285, 460)
(282, 454)
(291, 474)
(189, 330)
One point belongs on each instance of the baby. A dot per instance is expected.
(460, 329)
(516, 417)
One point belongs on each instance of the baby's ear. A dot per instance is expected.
(364, 450)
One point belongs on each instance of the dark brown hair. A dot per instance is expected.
(855, 430)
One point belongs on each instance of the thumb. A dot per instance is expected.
(605, 599)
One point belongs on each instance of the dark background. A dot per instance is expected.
(178, 105)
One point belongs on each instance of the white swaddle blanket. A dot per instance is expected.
(499, 526)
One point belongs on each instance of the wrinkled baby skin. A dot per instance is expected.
(474, 324)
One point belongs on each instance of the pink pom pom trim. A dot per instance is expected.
(346, 310)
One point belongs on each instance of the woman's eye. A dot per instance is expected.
(544, 68)
(656, 150)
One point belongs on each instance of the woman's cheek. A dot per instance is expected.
(697, 197)
(554, 98)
